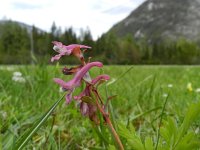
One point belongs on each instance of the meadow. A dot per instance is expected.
(153, 107)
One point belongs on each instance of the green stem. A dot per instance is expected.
(109, 123)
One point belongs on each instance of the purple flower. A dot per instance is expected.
(76, 81)
(67, 50)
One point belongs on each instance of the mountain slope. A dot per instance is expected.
(161, 19)
(21, 24)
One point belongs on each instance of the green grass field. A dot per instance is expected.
(141, 93)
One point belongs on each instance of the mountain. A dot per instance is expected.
(162, 19)
(21, 24)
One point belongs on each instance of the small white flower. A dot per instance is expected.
(17, 77)
(198, 90)
(17, 74)
(170, 85)
(197, 130)
(165, 95)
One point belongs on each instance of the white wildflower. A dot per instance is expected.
(198, 90)
(196, 130)
(17, 77)
(165, 95)
(170, 85)
(17, 74)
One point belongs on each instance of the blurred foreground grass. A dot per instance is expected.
(141, 89)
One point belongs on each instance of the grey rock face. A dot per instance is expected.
(161, 19)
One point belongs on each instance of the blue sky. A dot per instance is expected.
(97, 15)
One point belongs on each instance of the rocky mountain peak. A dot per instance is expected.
(161, 19)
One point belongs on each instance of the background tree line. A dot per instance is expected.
(21, 46)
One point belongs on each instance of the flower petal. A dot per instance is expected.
(63, 84)
(68, 97)
(58, 44)
(80, 74)
(85, 92)
(100, 77)
(72, 46)
(87, 77)
(67, 50)
(60, 48)
(84, 108)
(56, 57)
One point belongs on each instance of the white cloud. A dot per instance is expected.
(98, 15)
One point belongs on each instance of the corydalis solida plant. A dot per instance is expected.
(89, 99)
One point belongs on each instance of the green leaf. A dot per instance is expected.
(136, 143)
(169, 131)
(133, 140)
(100, 135)
(111, 147)
(191, 115)
(22, 141)
(149, 144)
(189, 141)
(143, 114)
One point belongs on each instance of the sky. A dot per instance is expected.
(97, 15)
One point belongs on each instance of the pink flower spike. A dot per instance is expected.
(76, 81)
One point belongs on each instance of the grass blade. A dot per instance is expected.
(144, 113)
(158, 135)
(22, 141)
(122, 75)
